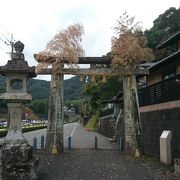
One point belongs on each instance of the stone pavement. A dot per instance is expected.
(101, 165)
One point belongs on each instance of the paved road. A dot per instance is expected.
(38, 134)
(81, 139)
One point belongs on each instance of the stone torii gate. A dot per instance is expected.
(54, 138)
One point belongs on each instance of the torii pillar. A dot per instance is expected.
(54, 138)
(131, 116)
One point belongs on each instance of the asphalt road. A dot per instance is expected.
(80, 138)
(83, 139)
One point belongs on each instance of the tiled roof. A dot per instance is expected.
(172, 40)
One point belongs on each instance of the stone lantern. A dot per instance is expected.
(16, 154)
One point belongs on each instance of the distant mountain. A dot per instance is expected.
(39, 89)
(73, 88)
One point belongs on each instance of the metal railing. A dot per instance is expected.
(163, 91)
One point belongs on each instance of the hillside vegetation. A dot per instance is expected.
(39, 89)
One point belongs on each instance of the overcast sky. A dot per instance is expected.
(35, 22)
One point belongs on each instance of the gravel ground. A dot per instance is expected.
(101, 165)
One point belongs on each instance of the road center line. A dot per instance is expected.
(72, 132)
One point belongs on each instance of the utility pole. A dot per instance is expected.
(12, 44)
(8, 42)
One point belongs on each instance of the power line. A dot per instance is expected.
(11, 43)
(5, 37)
(4, 41)
(3, 30)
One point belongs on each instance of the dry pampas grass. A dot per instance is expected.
(64, 48)
(129, 46)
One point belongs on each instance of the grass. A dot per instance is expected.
(145, 158)
(150, 158)
(92, 123)
(3, 131)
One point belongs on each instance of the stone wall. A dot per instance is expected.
(107, 126)
(153, 124)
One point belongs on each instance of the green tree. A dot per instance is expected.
(164, 26)
(40, 107)
(99, 91)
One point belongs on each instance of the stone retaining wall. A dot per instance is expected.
(153, 124)
(106, 126)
